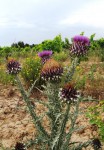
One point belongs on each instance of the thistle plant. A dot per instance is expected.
(45, 55)
(13, 67)
(80, 45)
(51, 70)
(60, 99)
(68, 93)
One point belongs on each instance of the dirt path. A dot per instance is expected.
(16, 124)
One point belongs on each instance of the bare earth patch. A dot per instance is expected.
(16, 124)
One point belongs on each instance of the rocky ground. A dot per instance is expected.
(16, 124)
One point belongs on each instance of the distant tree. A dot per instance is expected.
(14, 45)
(33, 45)
(21, 44)
(26, 45)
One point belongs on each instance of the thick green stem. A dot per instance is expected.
(54, 112)
(36, 121)
(68, 136)
(60, 141)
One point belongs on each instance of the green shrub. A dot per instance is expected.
(102, 54)
(5, 51)
(37, 48)
(62, 56)
(101, 42)
(97, 48)
(47, 45)
(96, 116)
(5, 78)
(26, 52)
(57, 43)
(31, 69)
(66, 44)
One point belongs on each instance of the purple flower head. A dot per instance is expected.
(68, 93)
(80, 45)
(45, 55)
(13, 67)
(81, 39)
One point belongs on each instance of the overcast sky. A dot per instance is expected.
(33, 21)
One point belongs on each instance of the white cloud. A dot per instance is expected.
(91, 15)
(4, 21)
(8, 23)
(22, 24)
(37, 20)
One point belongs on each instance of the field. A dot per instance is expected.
(20, 110)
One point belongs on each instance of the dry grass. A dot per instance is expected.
(89, 77)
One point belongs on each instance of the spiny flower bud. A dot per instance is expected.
(45, 55)
(51, 70)
(20, 146)
(13, 67)
(96, 144)
(80, 45)
(68, 93)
